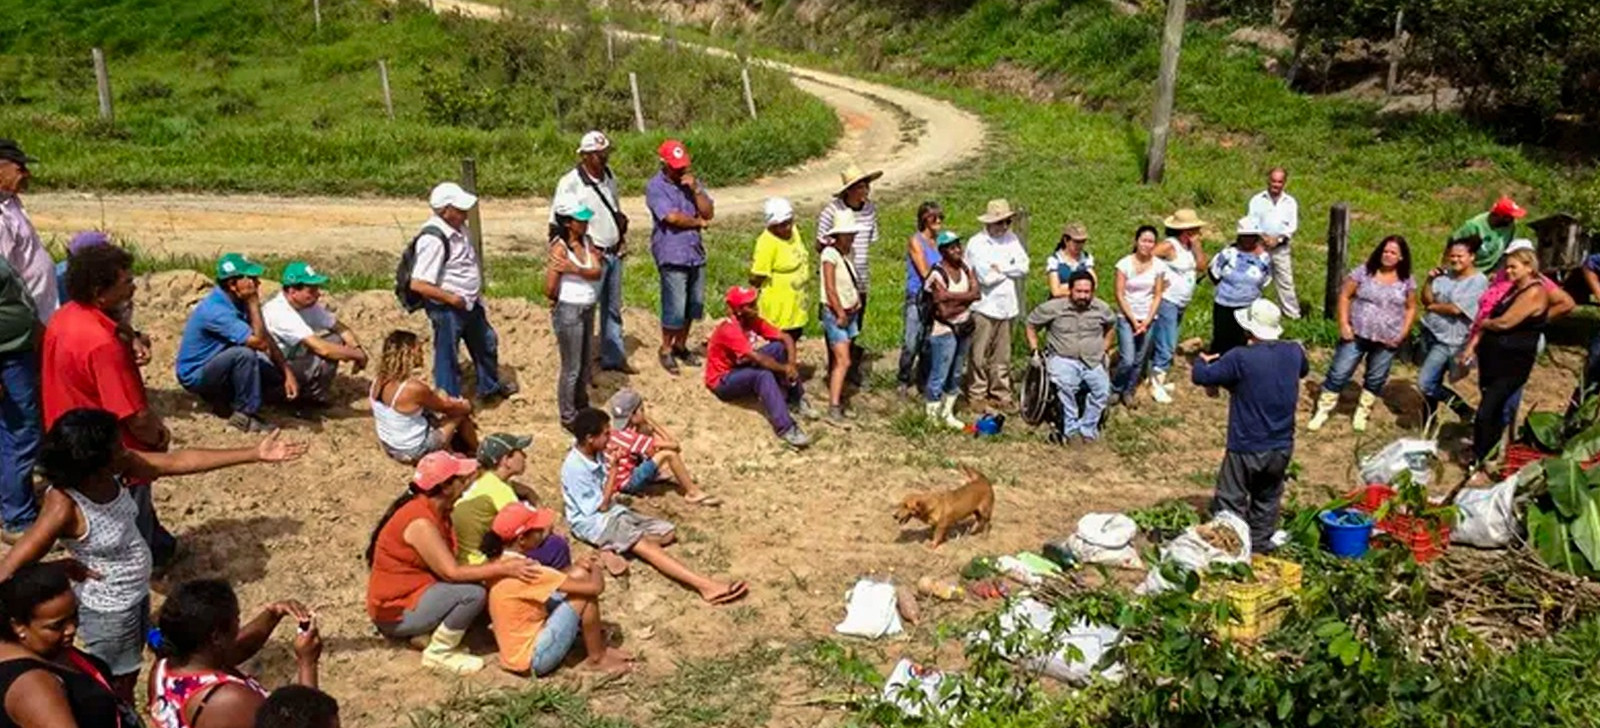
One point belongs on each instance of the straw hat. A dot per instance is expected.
(996, 211)
(1075, 231)
(853, 174)
(1184, 219)
(1262, 318)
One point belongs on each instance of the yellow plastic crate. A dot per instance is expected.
(1259, 607)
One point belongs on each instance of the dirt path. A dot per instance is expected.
(907, 135)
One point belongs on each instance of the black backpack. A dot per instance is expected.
(409, 300)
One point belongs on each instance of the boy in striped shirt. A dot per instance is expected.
(639, 449)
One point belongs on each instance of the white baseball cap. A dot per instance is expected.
(1262, 318)
(778, 210)
(594, 141)
(1249, 225)
(1519, 244)
(450, 194)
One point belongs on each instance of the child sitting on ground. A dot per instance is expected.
(595, 520)
(502, 457)
(640, 447)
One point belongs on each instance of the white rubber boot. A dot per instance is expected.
(1325, 404)
(1160, 391)
(947, 412)
(444, 653)
(932, 412)
(1363, 411)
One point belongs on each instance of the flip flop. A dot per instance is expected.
(735, 591)
(613, 563)
(705, 499)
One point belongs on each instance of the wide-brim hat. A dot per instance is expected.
(1184, 219)
(1262, 318)
(997, 211)
(1075, 231)
(853, 174)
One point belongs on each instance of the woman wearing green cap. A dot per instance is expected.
(572, 282)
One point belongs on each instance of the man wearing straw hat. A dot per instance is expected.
(997, 257)
(1263, 381)
(854, 194)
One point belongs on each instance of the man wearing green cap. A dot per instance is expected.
(226, 356)
(312, 340)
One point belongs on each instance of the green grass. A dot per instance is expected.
(247, 96)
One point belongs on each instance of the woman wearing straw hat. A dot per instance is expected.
(1184, 255)
(996, 255)
(854, 196)
(781, 270)
(841, 306)
(1241, 272)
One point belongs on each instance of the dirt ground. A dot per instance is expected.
(799, 527)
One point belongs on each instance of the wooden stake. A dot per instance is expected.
(749, 99)
(469, 182)
(102, 82)
(383, 77)
(638, 109)
(611, 50)
(1338, 243)
(316, 13)
(1166, 88)
(1394, 54)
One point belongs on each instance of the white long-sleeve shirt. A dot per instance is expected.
(998, 264)
(575, 185)
(1280, 217)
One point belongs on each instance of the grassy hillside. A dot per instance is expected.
(247, 95)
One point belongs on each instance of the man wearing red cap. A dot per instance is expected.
(679, 209)
(746, 356)
(1493, 230)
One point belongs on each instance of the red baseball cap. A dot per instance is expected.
(438, 467)
(673, 154)
(741, 296)
(1507, 207)
(519, 518)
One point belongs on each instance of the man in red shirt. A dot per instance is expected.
(87, 363)
(746, 356)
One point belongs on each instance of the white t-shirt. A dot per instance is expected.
(461, 274)
(1139, 290)
(844, 284)
(1180, 275)
(290, 326)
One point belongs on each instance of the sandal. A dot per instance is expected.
(670, 364)
(613, 563)
(705, 499)
(735, 591)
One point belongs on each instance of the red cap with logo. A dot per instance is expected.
(1506, 207)
(674, 154)
(438, 467)
(741, 296)
(519, 518)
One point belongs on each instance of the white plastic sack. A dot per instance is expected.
(1404, 454)
(872, 612)
(1193, 553)
(1484, 515)
(1105, 538)
(1034, 621)
(912, 688)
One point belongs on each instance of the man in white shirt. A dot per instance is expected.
(19, 241)
(312, 340)
(1279, 217)
(592, 184)
(449, 277)
(998, 259)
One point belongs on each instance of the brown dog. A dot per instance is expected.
(945, 509)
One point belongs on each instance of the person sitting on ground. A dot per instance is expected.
(1069, 257)
(640, 448)
(747, 356)
(89, 240)
(536, 621)
(311, 338)
(502, 457)
(1241, 272)
(1450, 301)
(45, 682)
(841, 306)
(227, 357)
(1080, 333)
(411, 418)
(1377, 305)
(953, 288)
(90, 510)
(298, 706)
(1263, 380)
(597, 521)
(780, 268)
(197, 681)
(416, 586)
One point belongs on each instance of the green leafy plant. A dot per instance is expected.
(1165, 519)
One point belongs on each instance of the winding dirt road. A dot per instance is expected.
(907, 135)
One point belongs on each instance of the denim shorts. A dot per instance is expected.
(835, 334)
(683, 295)
(643, 475)
(560, 631)
(117, 638)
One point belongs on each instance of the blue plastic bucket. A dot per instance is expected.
(1346, 532)
(990, 424)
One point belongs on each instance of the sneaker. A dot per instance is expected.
(804, 409)
(687, 357)
(794, 438)
(623, 368)
(245, 422)
(836, 414)
(1160, 394)
(670, 364)
(1126, 400)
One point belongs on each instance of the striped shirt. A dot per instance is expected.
(866, 217)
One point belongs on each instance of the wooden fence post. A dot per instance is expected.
(638, 109)
(749, 99)
(469, 182)
(1394, 54)
(316, 13)
(383, 77)
(611, 47)
(1166, 89)
(102, 81)
(1338, 244)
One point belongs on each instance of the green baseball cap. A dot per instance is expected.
(235, 265)
(499, 445)
(300, 273)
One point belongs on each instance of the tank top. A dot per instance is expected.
(170, 694)
(112, 546)
(400, 431)
(574, 288)
(92, 702)
(1521, 340)
(940, 327)
(399, 575)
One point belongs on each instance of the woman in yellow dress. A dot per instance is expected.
(781, 270)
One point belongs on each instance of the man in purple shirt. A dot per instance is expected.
(679, 209)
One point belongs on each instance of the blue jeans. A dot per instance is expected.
(613, 354)
(1350, 353)
(1069, 375)
(947, 358)
(1132, 353)
(241, 379)
(833, 333)
(561, 627)
(19, 438)
(1169, 319)
(452, 327)
(683, 295)
(915, 336)
(1436, 359)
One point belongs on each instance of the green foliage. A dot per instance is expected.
(1169, 517)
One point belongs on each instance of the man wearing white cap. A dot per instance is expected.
(854, 195)
(1241, 272)
(592, 185)
(780, 269)
(448, 277)
(1262, 377)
